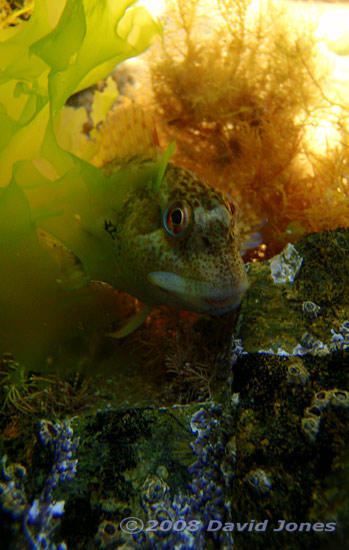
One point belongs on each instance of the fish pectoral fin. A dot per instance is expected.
(72, 273)
(136, 321)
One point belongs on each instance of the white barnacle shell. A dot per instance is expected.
(297, 374)
(310, 426)
(259, 481)
(339, 398)
(285, 266)
(310, 309)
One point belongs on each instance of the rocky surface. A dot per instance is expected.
(266, 456)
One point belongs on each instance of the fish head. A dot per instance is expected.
(180, 246)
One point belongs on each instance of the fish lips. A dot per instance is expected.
(200, 296)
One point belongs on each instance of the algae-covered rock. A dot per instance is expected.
(262, 464)
(277, 315)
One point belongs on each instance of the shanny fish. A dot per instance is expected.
(175, 239)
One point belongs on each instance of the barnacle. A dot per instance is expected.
(311, 427)
(297, 374)
(259, 481)
(310, 310)
(339, 399)
(107, 534)
(284, 266)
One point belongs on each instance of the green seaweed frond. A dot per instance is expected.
(52, 56)
(45, 59)
(162, 165)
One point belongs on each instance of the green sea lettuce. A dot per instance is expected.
(65, 46)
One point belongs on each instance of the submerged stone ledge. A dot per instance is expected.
(269, 449)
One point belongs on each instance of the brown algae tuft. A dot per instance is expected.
(245, 95)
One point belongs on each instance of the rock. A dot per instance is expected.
(268, 449)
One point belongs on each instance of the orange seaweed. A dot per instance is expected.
(240, 97)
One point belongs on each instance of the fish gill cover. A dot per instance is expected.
(49, 51)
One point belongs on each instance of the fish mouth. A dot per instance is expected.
(217, 302)
(200, 296)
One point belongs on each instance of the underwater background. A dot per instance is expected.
(192, 432)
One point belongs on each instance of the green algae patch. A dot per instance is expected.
(45, 60)
(54, 55)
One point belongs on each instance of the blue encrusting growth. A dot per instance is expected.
(187, 515)
(39, 519)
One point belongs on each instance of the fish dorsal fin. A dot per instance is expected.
(128, 133)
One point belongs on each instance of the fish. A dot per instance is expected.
(174, 239)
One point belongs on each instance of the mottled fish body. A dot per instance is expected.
(175, 239)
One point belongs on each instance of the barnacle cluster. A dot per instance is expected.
(309, 343)
(321, 400)
(241, 92)
(189, 513)
(340, 339)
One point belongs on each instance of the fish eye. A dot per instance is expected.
(177, 218)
